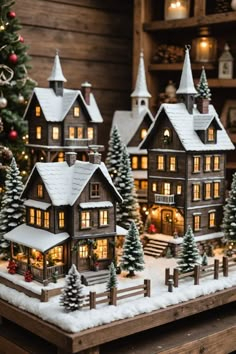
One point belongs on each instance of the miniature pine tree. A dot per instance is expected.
(72, 297)
(202, 87)
(128, 210)
(189, 256)
(204, 259)
(229, 219)
(133, 257)
(12, 208)
(114, 153)
(112, 280)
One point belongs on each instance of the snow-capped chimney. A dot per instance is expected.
(94, 156)
(70, 158)
(86, 90)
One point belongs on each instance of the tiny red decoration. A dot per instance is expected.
(28, 276)
(152, 229)
(13, 58)
(21, 39)
(12, 266)
(13, 135)
(11, 14)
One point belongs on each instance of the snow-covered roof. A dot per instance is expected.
(202, 121)
(184, 124)
(93, 205)
(186, 85)
(57, 74)
(37, 204)
(135, 150)
(32, 237)
(120, 231)
(64, 183)
(141, 85)
(140, 174)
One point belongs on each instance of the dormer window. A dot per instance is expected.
(143, 133)
(211, 134)
(94, 190)
(167, 136)
(37, 111)
(76, 111)
(40, 190)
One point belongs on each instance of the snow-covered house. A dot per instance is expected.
(133, 126)
(60, 119)
(186, 151)
(70, 218)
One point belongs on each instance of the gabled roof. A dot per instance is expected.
(64, 183)
(184, 125)
(203, 121)
(141, 85)
(55, 108)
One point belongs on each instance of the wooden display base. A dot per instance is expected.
(89, 341)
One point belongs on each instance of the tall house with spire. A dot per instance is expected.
(61, 120)
(133, 126)
(187, 148)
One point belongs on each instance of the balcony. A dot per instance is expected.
(77, 142)
(165, 199)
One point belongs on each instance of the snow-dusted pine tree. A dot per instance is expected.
(72, 297)
(128, 210)
(12, 211)
(229, 217)
(132, 259)
(115, 148)
(204, 259)
(112, 280)
(189, 256)
(202, 87)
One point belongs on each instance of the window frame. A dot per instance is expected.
(76, 111)
(165, 184)
(179, 187)
(161, 164)
(86, 220)
(214, 163)
(94, 190)
(196, 166)
(89, 135)
(216, 183)
(103, 216)
(37, 111)
(206, 157)
(144, 162)
(103, 248)
(196, 194)
(61, 219)
(211, 137)
(211, 213)
(197, 221)
(171, 164)
(134, 162)
(38, 132)
(207, 190)
(143, 133)
(57, 133)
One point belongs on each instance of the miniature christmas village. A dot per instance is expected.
(80, 234)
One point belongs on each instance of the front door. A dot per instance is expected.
(83, 258)
(166, 222)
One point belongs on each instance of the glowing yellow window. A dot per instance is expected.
(144, 185)
(83, 251)
(211, 134)
(38, 217)
(216, 163)
(38, 132)
(60, 157)
(172, 162)
(37, 111)
(212, 219)
(55, 133)
(32, 216)
(143, 133)
(136, 184)
(134, 162)
(207, 163)
(46, 220)
(40, 190)
(179, 189)
(71, 132)
(90, 133)
(103, 217)
(166, 189)
(160, 162)
(196, 191)
(76, 111)
(196, 222)
(61, 219)
(144, 162)
(154, 187)
(102, 249)
(196, 164)
(85, 219)
(216, 189)
(57, 253)
(207, 190)
(80, 133)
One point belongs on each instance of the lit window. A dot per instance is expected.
(85, 220)
(136, 183)
(196, 191)
(38, 217)
(216, 189)
(55, 133)
(32, 216)
(172, 162)
(60, 157)
(196, 164)
(76, 111)
(80, 132)
(134, 162)
(40, 191)
(166, 136)
(166, 189)
(212, 219)
(144, 185)
(143, 133)
(38, 132)
(154, 187)
(37, 111)
(179, 189)
(160, 162)
(90, 133)
(207, 163)
(103, 217)
(216, 163)
(61, 219)
(207, 191)
(46, 219)
(83, 251)
(94, 190)
(211, 134)
(101, 250)
(144, 162)
(196, 222)
(71, 132)
(57, 253)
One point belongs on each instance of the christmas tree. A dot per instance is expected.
(128, 210)
(204, 259)
(189, 256)
(229, 218)
(112, 280)
(132, 258)
(12, 208)
(72, 297)
(202, 87)
(114, 153)
(15, 84)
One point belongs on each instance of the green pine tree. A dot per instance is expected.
(189, 256)
(114, 153)
(12, 211)
(229, 216)
(72, 297)
(202, 87)
(204, 259)
(112, 280)
(133, 258)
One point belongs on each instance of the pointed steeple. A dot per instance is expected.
(57, 78)
(186, 87)
(140, 95)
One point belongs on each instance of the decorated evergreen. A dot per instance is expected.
(202, 87)
(72, 297)
(189, 256)
(114, 153)
(112, 280)
(128, 210)
(229, 218)
(12, 211)
(133, 257)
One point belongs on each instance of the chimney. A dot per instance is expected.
(70, 158)
(94, 156)
(86, 90)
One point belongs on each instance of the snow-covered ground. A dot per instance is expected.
(84, 319)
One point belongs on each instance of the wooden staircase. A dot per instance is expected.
(155, 248)
(92, 277)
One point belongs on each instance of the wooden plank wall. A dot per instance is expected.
(94, 39)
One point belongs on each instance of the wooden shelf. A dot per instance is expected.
(179, 66)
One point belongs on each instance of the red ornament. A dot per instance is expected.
(12, 266)
(13, 58)
(13, 135)
(11, 14)
(21, 39)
